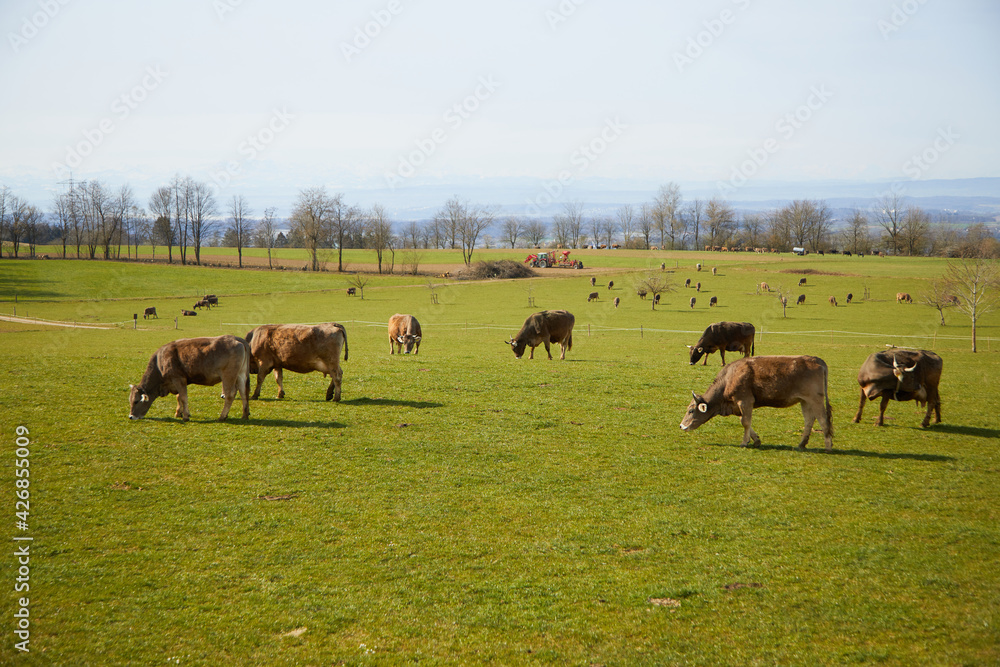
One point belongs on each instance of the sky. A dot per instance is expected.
(393, 99)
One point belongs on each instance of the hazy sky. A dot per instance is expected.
(254, 95)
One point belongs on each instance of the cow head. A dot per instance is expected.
(407, 341)
(696, 353)
(518, 346)
(139, 402)
(900, 372)
(698, 412)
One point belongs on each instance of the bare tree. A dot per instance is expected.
(807, 223)
(665, 211)
(535, 231)
(938, 297)
(62, 213)
(163, 232)
(202, 208)
(511, 229)
(161, 205)
(240, 224)
(181, 198)
(311, 221)
(720, 221)
(975, 282)
(573, 214)
(753, 229)
(915, 232)
(378, 232)
(345, 222)
(266, 234)
(695, 214)
(645, 224)
(856, 236)
(358, 282)
(5, 197)
(412, 235)
(655, 284)
(476, 220)
(888, 213)
(625, 216)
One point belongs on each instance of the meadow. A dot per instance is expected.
(461, 506)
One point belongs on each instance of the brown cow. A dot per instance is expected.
(764, 287)
(593, 281)
(547, 326)
(714, 301)
(724, 337)
(300, 348)
(833, 301)
(593, 296)
(801, 300)
(404, 334)
(692, 301)
(617, 301)
(713, 271)
(211, 299)
(352, 291)
(202, 303)
(901, 375)
(611, 284)
(150, 312)
(202, 361)
(188, 313)
(802, 281)
(903, 296)
(697, 267)
(642, 292)
(766, 382)
(687, 283)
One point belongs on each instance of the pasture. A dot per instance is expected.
(461, 506)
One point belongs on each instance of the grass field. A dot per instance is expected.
(461, 506)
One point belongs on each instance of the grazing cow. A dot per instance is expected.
(713, 271)
(833, 301)
(698, 287)
(697, 267)
(766, 382)
(764, 287)
(352, 291)
(642, 293)
(202, 361)
(850, 295)
(547, 326)
(593, 296)
(617, 301)
(211, 299)
(802, 281)
(692, 301)
(687, 283)
(593, 281)
(404, 334)
(903, 296)
(201, 303)
(150, 312)
(656, 299)
(299, 348)
(714, 301)
(847, 253)
(724, 337)
(801, 300)
(188, 313)
(901, 375)
(611, 284)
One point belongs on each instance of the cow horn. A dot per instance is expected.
(894, 364)
(689, 347)
(911, 368)
(400, 339)
(694, 396)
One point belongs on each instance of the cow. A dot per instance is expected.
(692, 302)
(656, 299)
(850, 295)
(833, 301)
(802, 281)
(150, 312)
(211, 299)
(642, 292)
(201, 361)
(202, 303)
(764, 287)
(593, 296)
(593, 281)
(542, 328)
(903, 297)
(714, 301)
(404, 334)
(713, 271)
(617, 301)
(766, 382)
(188, 313)
(697, 267)
(611, 284)
(300, 348)
(847, 253)
(697, 287)
(801, 300)
(352, 291)
(901, 375)
(724, 337)
(687, 283)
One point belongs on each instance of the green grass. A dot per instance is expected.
(461, 506)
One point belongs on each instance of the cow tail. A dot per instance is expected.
(569, 341)
(344, 331)
(243, 378)
(829, 408)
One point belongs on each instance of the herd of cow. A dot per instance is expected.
(748, 383)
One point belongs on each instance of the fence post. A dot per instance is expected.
(640, 332)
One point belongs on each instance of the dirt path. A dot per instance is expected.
(51, 323)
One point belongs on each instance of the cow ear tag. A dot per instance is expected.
(703, 407)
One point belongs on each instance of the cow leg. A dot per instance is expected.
(722, 353)
(182, 404)
(562, 349)
(933, 402)
(746, 414)
(548, 351)
(881, 410)
(229, 393)
(262, 372)
(809, 419)
(861, 406)
(278, 376)
(244, 389)
(531, 354)
(333, 391)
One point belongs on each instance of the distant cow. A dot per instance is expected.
(901, 375)
(593, 296)
(656, 299)
(764, 287)
(724, 337)
(352, 291)
(547, 326)
(833, 301)
(299, 348)
(617, 301)
(802, 281)
(593, 281)
(692, 301)
(698, 287)
(201, 361)
(713, 271)
(697, 267)
(404, 334)
(850, 295)
(847, 253)
(801, 300)
(766, 382)
(202, 303)
(903, 296)
(211, 299)
(714, 301)
(188, 313)
(150, 312)
(611, 284)
(687, 283)
(642, 292)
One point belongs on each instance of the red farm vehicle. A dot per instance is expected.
(544, 260)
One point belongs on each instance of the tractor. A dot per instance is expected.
(544, 260)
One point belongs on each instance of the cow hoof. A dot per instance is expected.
(281, 394)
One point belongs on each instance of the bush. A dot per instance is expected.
(503, 269)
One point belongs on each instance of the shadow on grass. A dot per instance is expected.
(975, 431)
(253, 421)
(392, 402)
(935, 458)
